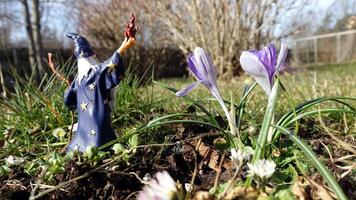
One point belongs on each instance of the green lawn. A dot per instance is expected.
(302, 84)
(31, 114)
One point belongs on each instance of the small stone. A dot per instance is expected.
(147, 177)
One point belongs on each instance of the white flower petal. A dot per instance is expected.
(281, 56)
(199, 54)
(239, 157)
(253, 66)
(263, 169)
(59, 133)
(162, 187)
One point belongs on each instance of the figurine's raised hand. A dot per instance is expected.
(126, 44)
(129, 42)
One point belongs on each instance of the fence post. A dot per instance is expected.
(315, 50)
(339, 57)
(296, 53)
(338, 48)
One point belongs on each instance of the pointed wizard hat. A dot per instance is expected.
(82, 47)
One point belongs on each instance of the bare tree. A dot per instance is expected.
(103, 22)
(223, 27)
(33, 29)
(29, 32)
(5, 25)
(340, 16)
(37, 38)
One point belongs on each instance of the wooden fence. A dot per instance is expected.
(337, 47)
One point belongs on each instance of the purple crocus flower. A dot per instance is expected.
(203, 69)
(263, 65)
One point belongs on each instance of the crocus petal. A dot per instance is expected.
(281, 56)
(195, 60)
(203, 59)
(188, 89)
(267, 56)
(192, 67)
(270, 57)
(251, 64)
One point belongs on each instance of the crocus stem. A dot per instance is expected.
(267, 119)
(232, 124)
(270, 131)
(262, 187)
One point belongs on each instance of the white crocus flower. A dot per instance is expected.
(262, 169)
(162, 187)
(236, 156)
(239, 157)
(14, 161)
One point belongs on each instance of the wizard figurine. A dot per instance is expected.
(91, 92)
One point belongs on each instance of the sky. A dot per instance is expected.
(324, 4)
(58, 18)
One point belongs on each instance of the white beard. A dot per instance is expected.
(84, 65)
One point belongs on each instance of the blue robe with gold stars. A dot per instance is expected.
(90, 96)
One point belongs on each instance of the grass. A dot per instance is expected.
(304, 84)
(32, 113)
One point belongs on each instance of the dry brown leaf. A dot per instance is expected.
(203, 195)
(210, 155)
(298, 191)
(244, 193)
(321, 191)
